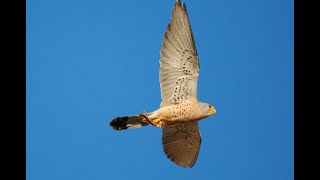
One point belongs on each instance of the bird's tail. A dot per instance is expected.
(128, 122)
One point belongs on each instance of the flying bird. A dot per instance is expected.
(179, 110)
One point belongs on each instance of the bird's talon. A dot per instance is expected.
(160, 124)
(156, 122)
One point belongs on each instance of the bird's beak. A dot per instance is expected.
(213, 110)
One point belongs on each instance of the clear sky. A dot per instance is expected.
(89, 61)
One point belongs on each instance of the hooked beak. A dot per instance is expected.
(213, 110)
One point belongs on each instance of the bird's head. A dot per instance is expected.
(207, 109)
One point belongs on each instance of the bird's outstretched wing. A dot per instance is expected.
(181, 143)
(179, 66)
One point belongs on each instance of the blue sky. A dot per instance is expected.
(91, 61)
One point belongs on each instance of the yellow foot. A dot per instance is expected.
(155, 122)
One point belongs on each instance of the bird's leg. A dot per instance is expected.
(155, 122)
(146, 117)
(160, 124)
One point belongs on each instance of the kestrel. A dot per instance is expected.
(180, 110)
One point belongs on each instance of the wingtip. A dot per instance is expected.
(182, 6)
(178, 2)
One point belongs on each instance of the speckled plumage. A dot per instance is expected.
(180, 110)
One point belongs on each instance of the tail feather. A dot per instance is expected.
(128, 122)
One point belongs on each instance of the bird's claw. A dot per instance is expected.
(156, 122)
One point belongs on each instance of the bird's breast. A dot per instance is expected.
(189, 111)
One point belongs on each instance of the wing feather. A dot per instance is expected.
(181, 143)
(179, 66)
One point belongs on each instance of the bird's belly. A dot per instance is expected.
(180, 112)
